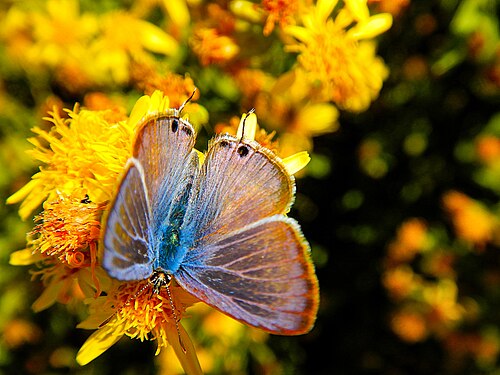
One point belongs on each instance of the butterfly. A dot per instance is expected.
(218, 227)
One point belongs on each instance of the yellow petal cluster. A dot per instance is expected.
(337, 54)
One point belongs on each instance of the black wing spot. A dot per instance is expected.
(224, 143)
(243, 151)
(186, 130)
(175, 124)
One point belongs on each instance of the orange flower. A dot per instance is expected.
(411, 239)
(409, 326)
(19, 331)
(69, 229)
(281, 12)
(472, 221)
(443, 311)
(175, 86)
(395, 7)
(488, 148)
(400, 282)
(211, 47)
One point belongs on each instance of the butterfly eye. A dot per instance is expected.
(175, 125)
(242, 151)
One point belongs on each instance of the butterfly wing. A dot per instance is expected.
(239, 183)
(127, 254)
(164, 147)
(244, 256)
(161, 168)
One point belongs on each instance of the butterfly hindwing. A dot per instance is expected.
(244, 256)
(259, 274)
(127, 254)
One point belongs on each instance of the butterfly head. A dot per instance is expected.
(158, 280)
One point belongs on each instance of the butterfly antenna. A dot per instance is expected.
(174, 313)
(244, 122)
(186, 101)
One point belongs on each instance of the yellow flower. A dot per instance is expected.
(84, 152)
(65, 284)
(134, 310)
(82, 158)
(444, 311)
(124, 39)
(284, 104)
(61, 34)
(337, 55)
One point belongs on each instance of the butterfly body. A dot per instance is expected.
(168, 252)
(218, 228)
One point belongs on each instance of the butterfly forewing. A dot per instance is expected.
(161, 170)
(239, 183)
(164, 146)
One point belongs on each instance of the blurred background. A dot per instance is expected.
(400, 202)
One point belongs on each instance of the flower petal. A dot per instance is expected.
(100, 341)
(156, 40)
(178, 12)
(299, 33)
(358, 9)
(185, 352)
(248, 124)
(48, 296)
(374, 26)
(296, 162)
(321, 118)
(324, 8)
(24, 257)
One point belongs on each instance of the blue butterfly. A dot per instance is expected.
(219, 228)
